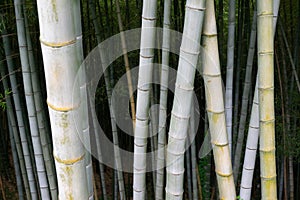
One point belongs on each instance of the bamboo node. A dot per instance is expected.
(209, 35)
(194, 8)
(58, 44)
(262, 53)
(175, 173)
(174, 194)
(29, 94)
(246, 188)
(180, 117)
(178, 154)
(173, 135)
(223, 174)
(149, 18)
(139, 171)
(142, 119)
(191, 88)
(212, 75)
(265, 14)
(143, 88)
(269, 121)
(140, 145)
(62, 109)
(248, 169)
(251, 149)
(215, 112)
(147, 57)
(268, 178)
(268, 150)
(214, 143)
(189, 52)
(137, 190)
(69, 161)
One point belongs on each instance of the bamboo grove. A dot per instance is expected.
(212, 99)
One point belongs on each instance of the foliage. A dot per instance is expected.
(2, 99)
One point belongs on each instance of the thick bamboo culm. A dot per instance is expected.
(215, 105)
(265, 49)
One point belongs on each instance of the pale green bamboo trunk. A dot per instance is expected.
(60, 55)
(84, 104)
(245, 100)
(193, 155)
(189, 52)
(143, 97)
(215, 105)
(40, 113)
(159, 187)
(15, 140)
(229, 71)
(20, 119)
(251, 148)
(27, 83)
(265, 49)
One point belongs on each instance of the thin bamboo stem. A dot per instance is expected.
(229, 71)
(245, 99)
(164, 78)
(126, 61)
(20, 117)
(30, 103)
(143, 97)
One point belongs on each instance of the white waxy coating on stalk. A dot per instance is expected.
(189, 52)
(143, 97)
(61, 64)
(251, 148)
(159, 188)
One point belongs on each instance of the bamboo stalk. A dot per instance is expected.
(229, 71)
(265, 48)
(189, 52)
(12, 120)
(290, 56)
(143, 97)
(245, 100)
(193, 155)
(215, 105)
(253, 133)
(164, 78)
(33, 124)
(20, 117)
(40, 112)
(126, 61)
(16, 161)
(188, 170)
(83, 93)
(60, 53)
